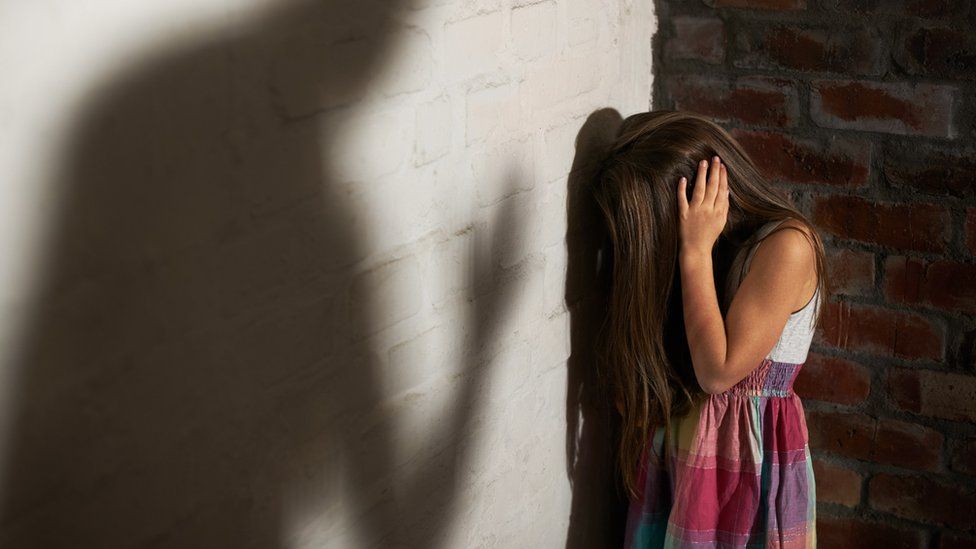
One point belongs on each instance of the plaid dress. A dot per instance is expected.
(736, 469)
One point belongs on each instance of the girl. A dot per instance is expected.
(715, 281)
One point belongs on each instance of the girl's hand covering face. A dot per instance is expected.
(702, 218)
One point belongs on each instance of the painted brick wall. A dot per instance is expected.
(295, 270)
(864, 111)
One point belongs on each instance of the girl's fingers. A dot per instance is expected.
(711, 191)
(723, 191)
(683, 195)
(698, 195)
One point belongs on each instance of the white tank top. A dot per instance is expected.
(793, 344)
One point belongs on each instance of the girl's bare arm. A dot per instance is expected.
(780, 280)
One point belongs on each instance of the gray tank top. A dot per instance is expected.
(793, 344)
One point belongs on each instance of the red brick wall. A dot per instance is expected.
(864, 110)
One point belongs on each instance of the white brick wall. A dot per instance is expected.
(409, 390)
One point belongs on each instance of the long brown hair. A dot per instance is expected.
(644, 357)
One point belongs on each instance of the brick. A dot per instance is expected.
(967, 350)
(946, 395)
(882, 332)
(917, 226)
(749, 100)
(923, 500)
(511, 247)
(970, 230)
(856, 533)
(390, 287)
(837, 484)
(377, 144)
(925, 49)
(907, 445)
(534, 30)
(472, 45)
(291, 91)
(554, 295)
(886, 441)
(845, 50)
(897, 108)
(953, 541)
(759, 4)
(432, 125)
(939, 172)
(912, 8)
(963, 457)
(412, 363)
(581, 25)
(491, 112)
(837, 162)
(559, 147)
(502, 170)
(560, 81)
(447, 258)
(850, 272)
(412, 71)
(944, 284)
(700, 38)
(833, 379)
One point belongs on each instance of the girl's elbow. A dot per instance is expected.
(718, 378)
(713, 386)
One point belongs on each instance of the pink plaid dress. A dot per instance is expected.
(736, 470)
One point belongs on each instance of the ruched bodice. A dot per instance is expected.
(770, 379)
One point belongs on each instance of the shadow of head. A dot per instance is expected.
(597, 508)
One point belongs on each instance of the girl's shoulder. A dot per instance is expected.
(788, 250)
(783, 247)
(788, 240)
(781, 238)
(791, 223)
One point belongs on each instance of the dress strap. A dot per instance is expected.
(742, 260)
(760, 235)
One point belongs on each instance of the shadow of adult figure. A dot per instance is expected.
(198, 371)
(598, 506)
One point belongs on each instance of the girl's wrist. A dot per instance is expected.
(693, 255)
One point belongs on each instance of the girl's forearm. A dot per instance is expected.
(702, 219)
(704, 325)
